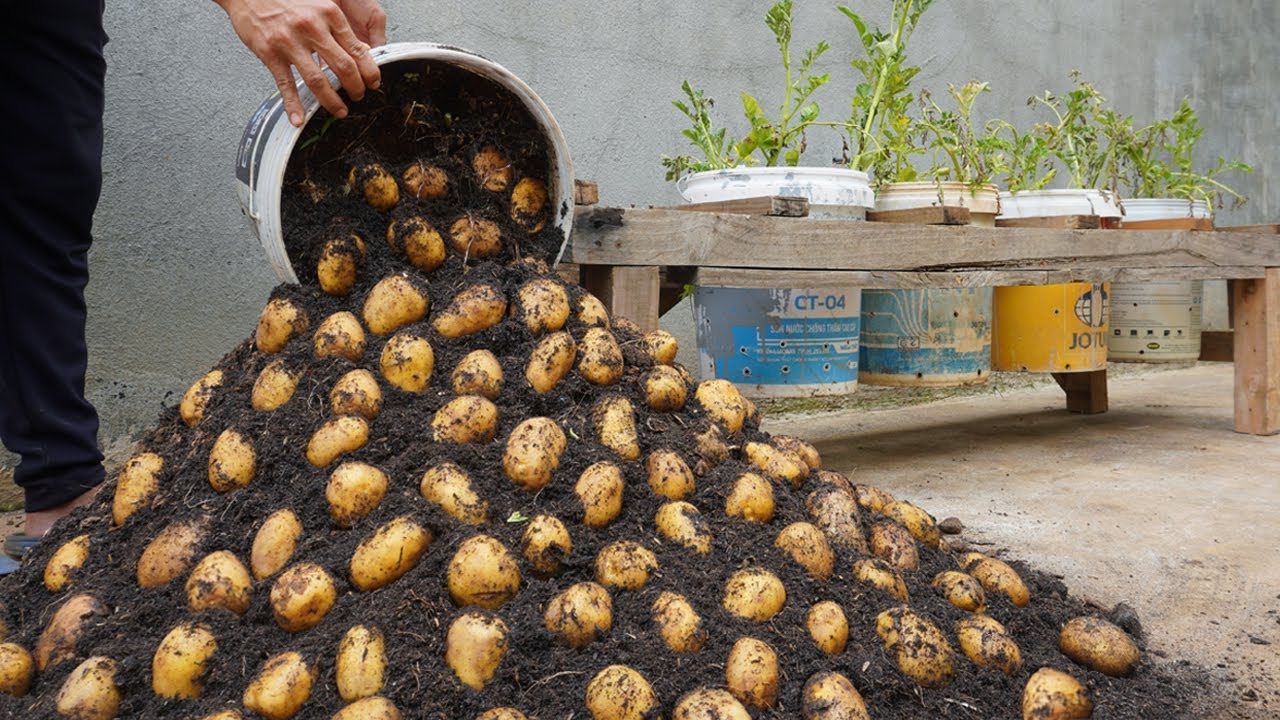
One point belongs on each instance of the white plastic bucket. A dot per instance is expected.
(1058, 203)
(983, 202)
(831, 192)
(269, 139)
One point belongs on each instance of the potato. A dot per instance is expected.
(479, 373)
(232, 461)
(615, 421)
(920, 523)
(407, 362)
(591, 311)
(529, 204)
(835, 511)
(419, 240)
(669, 475)
(776, 464)
(370, 708)
(136, 485)
(449, 486)
(389, 553)
(704, 704)
(806, 544)
(754, 594)
(600, 489)
(170, 553)
(920, 649)
(90, 692)
(476, 308)
(502, 714)
(545, 544)
(474, 236)
(551, 360)
(196, 398)
(723, 403)
(225, 715)
(274, 387)
(997, 576)
(961, 590)
(872, 498)
(533, 453)
(625, 564)
(1099, 645)
(830, 478)
(828, 626)
(681, 523)
(880, 574)
(335, 438)
(620, 693)
(58, 640)
(830, 696)
(65, 562)
(985, 641)
(1054, 695)
(17, 669)
(894, 544)
(751, 499)
(580, 615)
(599, 357)
(483, 573)
(302, 596)
(678, 623)
(274, 544)
(279, 322)
(465, 419)
(474, 647)
(393, 303)
(543, 305)
(492, 168)
(362, 663)
(661, 346)
(339, 265)
(353, 491)
(375, 184)
(356, 393)
(281, 687)
(340, 335)
(800, 448)
(220, 580)
(425, 182)
(664, 389)
(751, 673)
(179, 664)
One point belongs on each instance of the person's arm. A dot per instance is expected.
(288, 34)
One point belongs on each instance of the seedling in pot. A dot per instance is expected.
(1158, 161)
(961, 151)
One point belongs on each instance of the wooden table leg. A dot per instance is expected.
(1256, 305)
(628, 292)
(1086, 391)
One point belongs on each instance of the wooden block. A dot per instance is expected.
(939, 215)
(585, 192)
(627, 292)
(570, 273)
(1217, 346)
(1086, 391)
(1064, 222)
(1200, 224)
(773, 206)
(1257, 354)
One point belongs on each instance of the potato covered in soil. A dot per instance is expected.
(274, 387)
(545, 544)
(281, 687)
(65, 562)
(661, 346)
(750, 499)
(894, 544)
(356, 393)
(615, 421)
(828, 627)
(723, 403)
(1054, 695)
(871, 497)
(361, 666)
(580, 615)
(450, 487)
(58, 640)
(340, 263)
(678, 623)
(407, 362)
(620, 693)
(986, 642)
(17, 669)
(529, 204)
(419, 240)
(340, 335)
(919, 523)
(780, 465)
(592, 312)
(484, 573)
(375, 184)
(474, 647)
(478, 373)
(806, 544)
(599, 357)
(802, 449)
(835, 511)
(754, 594)
(533, 453)
(600, 489)
(179, 664)
(625, 564)
(281, 320)
(1099, 645)
(709, 704)
(219, 581)
(91, 692)
(384, 557)
(542, 305)
(136, 485)
(473, 236)
(302, 596)
(170, 553)
(424, 181)
(196, 398)
(664, 389)
(669, 475)
(371, 708)
(393, 303)
(551, 360)
(336, 438)
(681, 523)
(879, 574)
(962, 590)
(502, 714)
(465, 419)
(274, 543)
(492, 168)
(751, 673)
(353, 491)
(232, 462)
(830, 696)
(997, 576)
(477, 307)
(920, 649)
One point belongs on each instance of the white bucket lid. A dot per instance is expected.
(818, 185)
(1057, 203)
(908, 195)
(1140, 209)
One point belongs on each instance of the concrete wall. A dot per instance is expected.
(178, 278)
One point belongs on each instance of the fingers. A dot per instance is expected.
(288, 91)
(351, 62)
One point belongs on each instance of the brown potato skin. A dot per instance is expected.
(492, 169)
(894, 544)
(1099, 645)
(58, 640)
(919, 647)
(473, 236)
(835, 511)
(425, 182)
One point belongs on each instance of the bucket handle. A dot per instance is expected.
(682, 186)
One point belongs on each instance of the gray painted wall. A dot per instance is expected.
(178, 278)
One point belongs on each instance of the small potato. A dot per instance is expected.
(449, 486)
(196, 398)
(465, 419)
(281, 320)
(543, 305)
(474, 647)
(476, 308)
(625, 565)
(669, 475)
(600, 489)
(1054, 695)
(58, 640)
(17, 669)
(340, 335)
(620, 693)
(871, 498)
(828, 626)
(920, 523)
(800, 448)
(599, 357)
(997, 576)
(580, 615)
(479, 373)
(894, 544)
(502, 714)
(664, 389)
(136, 485)
(65, 562)
(919, 647)
(302, 596)
(492, 168)
(678, 623)
(545, 544)
(225, 715)
(274, 387)
(591, 311)
(336, 438)
(339, 265)
(551, 360)
(754, 594)
(281, 687)
(389, 553)
(274, 544)
(419, 240)
(961, 590)
(370, 708)
(985, 641)
(484, 573)
(529, 204)
(615, 421)
(704, 704)
(681, 523)
(835, 511)
(232, 461)
(407, 362)
(375, 184)
(830, 696)
(362, 663)
(393, 303)
(723, 403)
(473, 236)
(806, 544)
(219, 581)
(425, 182)
(1099, 645)
(533, 453)
(356, 393)
(353, 491)
(879, 574)
(751, 673)
(751, 499)
(90, 692)
(179, 664)
(776, 464)
(170, 553)
(662, 346)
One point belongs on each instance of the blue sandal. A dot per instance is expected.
(16, 547)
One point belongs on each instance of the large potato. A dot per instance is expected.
(65, 562)
(90, 692)
(592, 312)
(600, 489)
(220, 580)
(751, 499)
(449, 486)
(828, 626)
(425, 182)
(985, 641)
(17, 669)
(1099, 645)
(362, 663)
(474, 647)
(615, 422)
(465, 419)
(661, 346)
(678, 623)
(894, 544)
(179, 664)
(533, 453)
(407, 362)
(370, 708)
(419, 240)
(806, 544)
(356, 393)
(274, 387)
(962, 590)
(599, 357)
(580, 615)
(335, 438)
(340, 336)
(339, 265)
(620, 693)
(502, 714)
(281, 687)
(232, 461)
(712, 449)
(830, 696)
(705, 704)
(529, 204)
(802, 449)
(492, 168)
(479, 373)
(389, 553)
(681, 523)
(170, 553)
(625, 564)
(920, 649)
(281, 320)
(58, 640)
(302, 596)
(353, 491)
(722, 403)
(1054, 695)
(543, 305)
(920, 523)
(751, 673)
(545, 544)
(196, 398)
(754, 594)
(781, 465)
(664, 389)
(997, 576)
(551, 360)
(477, 307)
(871, 497)
(375, 184)
(669, 475)
(393, 303)
(274, 544)
(136, 485)
(483, 572)
(835, 511)
(880, 574)
(472, 236)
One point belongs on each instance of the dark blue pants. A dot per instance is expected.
(51, 89)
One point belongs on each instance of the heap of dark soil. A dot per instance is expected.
(451, 115)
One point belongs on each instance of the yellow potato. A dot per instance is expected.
(492, 168)
(274, 387)
(600, 489)
(232, 461)
(90, 692)
(894, 544)
(1054, 695)
(776, 464)
(533, 453)
(339, 265)
(17, 669)
(370, 708)
(662, 346)
(806, 544)
(335, 438)
(425, 182)
(474, 647)
(362, 663)
(419, 240)
(280, 321)
(474, 236)
(302, 596)
(170, 553)
(220, 580)
(479, 373)
(476, 308)
(407, 362)
(997, 576)
(664, 389)
(836, 480)
(705, 704)
(529, 204)
(465, 419)
(625, 565)
(375, 184)
(754, 594)
(828, 626)
(389, 553)
(599, 357)
(871, 497)
(225, 715)
(551, 360)
(723, 403)
(274, 544)
(615, 421)
(545, 544)
(58, 640)
(449, 486)
(543, 305)
(340, 335)
(196, 398)
(580, 615)
(591, 311)
(920, 523)
(800, 448)
(681, 523)
(502, 714)
(356, 393)
(985, 641)
(961, 590)
(835, 511)
(136, 485)
(281, 687)
(751, 499)
(678, 623)
(1099, 645)
(393, 303)
(65, 562)
(484, 573)
(669, 475)
(353, 491)
(751, 673)
(179, 664)
(920, 649)
(830, 696)
(620, 693)
(880, 574)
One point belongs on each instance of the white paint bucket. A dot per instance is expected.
(831, 192)
(1058, 203)
(269, 139)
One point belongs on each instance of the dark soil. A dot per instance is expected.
(537, 676)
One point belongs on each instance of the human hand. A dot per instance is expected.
(287, 34)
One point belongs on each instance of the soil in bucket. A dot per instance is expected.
(715, 434)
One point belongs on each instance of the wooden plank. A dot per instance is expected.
(773, 206)
(585, 192)
(1086, 391)
(1201, 224)
(627, 292)
(890, 280)
(1257, 354)
(939, 215)
(1060, 222)
(569, 272)
(1217, 346)
(1273, 229)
